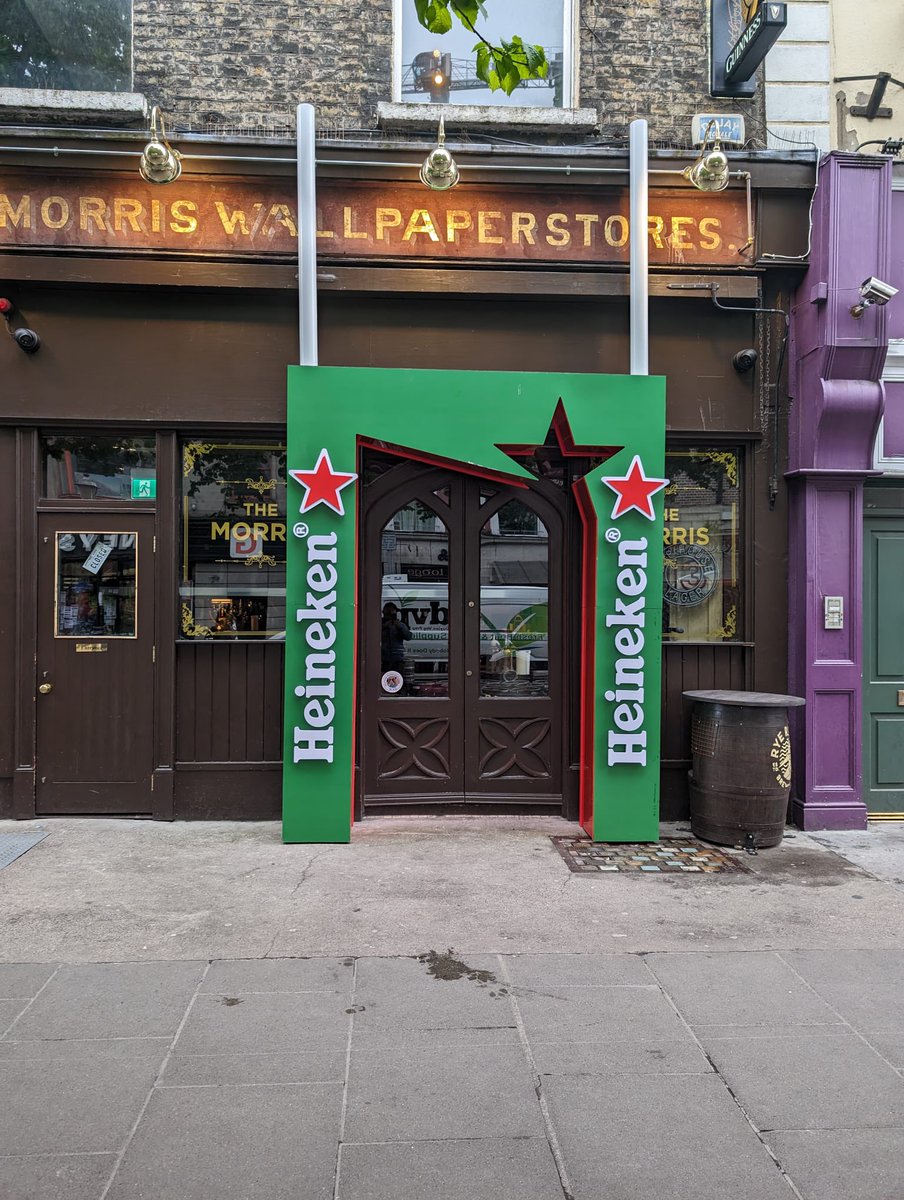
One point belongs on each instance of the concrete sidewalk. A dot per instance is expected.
(198, 1011)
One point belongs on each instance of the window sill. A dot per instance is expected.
(525, 119)
(40, 105)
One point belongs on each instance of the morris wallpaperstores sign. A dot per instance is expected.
(366, 220)
(332, 413)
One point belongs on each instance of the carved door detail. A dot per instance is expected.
(462, 642)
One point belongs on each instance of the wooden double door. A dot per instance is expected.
(463, 642)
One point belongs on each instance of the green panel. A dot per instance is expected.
(890, 751)
(461, 418)
(883, 662)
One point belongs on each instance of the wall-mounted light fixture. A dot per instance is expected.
(710, 172)
(440, 170)
(872, 291)
(160, 163)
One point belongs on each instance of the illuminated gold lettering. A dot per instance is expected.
(219, 529)
(127, 210)
(679, 239)
(524, 224)
(387, 218)
(613, 238)
(278, 531)
(656, 226)
(260, 529)
(92, 208)
(183, 219)
(241, 531)
(557, 236)
(456, 219)
(420, 221)
(55, 202)
(588, 220)
(710, 239)
(348, 228)
(485, 233)
(20, 215)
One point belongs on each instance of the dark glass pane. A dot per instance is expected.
(702, 585)
(414, 626)
(96, 578)
(80, 45)
(514, 603)
(99, 468)
(233, 569)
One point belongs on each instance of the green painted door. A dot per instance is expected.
(883, 665)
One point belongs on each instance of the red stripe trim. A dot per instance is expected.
(588, 651)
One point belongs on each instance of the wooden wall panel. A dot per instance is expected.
(8, 610)
(229, 702)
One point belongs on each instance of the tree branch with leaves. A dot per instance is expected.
(501, 67)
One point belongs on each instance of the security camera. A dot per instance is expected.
(873, 291)
(27, 340)
(744, 361)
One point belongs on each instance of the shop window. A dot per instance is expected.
(68, 45)
(99, 468)
(233, 566)
(96, 582)
(441, 69)
(703, 536)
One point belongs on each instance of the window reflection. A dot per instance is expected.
(514, 603)
(414, 619)
(96, 577)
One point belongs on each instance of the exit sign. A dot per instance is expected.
(144, 489)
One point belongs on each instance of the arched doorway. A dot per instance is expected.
(463, 633)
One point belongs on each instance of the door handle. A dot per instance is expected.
(44, 688)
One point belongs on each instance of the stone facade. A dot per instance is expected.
(228, 63)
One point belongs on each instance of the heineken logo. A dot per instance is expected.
(634, 490)
(627, 741)
(322, 485)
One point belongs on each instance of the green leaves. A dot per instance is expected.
(500, 67)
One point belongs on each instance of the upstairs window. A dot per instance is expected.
(441, 69)
(66, 45)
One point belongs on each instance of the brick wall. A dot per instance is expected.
(232, 62)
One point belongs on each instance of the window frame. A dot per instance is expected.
(54, 98)
(569, 66)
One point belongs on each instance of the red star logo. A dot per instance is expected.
(323, 485)
(634, 490)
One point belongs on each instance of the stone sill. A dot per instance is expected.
(40, 105)
(458, 116)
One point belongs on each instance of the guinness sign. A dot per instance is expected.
(758, 38)
(735, 58)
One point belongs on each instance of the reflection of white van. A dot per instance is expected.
(512, 618)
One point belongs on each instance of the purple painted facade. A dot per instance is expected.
(838, 399)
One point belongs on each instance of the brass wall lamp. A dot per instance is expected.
(159, 163)
(710, 172)
(439, 171)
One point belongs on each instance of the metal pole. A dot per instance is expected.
(307, 239)
(640, 298)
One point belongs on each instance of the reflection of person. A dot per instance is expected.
(85, 612)
(393, 636)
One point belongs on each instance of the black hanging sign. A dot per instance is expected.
(732, 75)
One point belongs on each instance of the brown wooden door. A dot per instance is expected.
(95, 669)
(463, 647)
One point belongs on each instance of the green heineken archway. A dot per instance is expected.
(477, 422)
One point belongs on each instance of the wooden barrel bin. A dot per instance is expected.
(741, 777)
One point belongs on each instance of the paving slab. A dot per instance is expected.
(23, 979)
(740, 989)
(864, 986)
(108, 1000)
(599, 1014)
(889, 1045)
(234, 1143)
(830, 1082)
(79, 1100)
(486, 1169)
(848, 1164)
(265, 1022)
(442, 1092)
(667, 1136)
(400, 1002)
(221, 1070)
(620, 1058)
(280, 975)
(55, 1176)
(568, 970)
(9, 1011)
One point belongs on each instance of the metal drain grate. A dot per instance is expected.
(669, 856)
(14, 845)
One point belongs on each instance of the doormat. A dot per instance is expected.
(668, 856)
(14, 845)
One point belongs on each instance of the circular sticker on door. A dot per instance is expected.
(691, 575)
(392, 682)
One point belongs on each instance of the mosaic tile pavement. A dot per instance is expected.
(668, 856)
